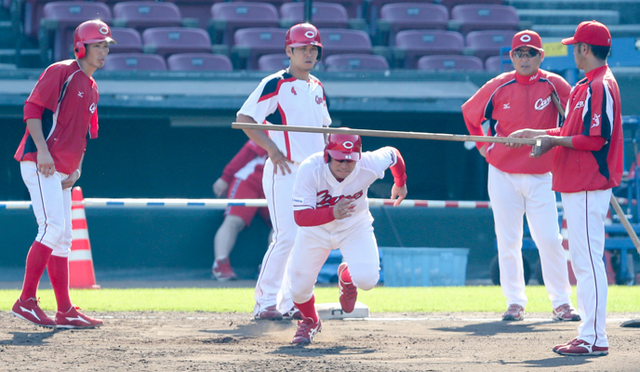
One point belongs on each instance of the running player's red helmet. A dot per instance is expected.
(90, 32)
(303, 34)
(343, 147)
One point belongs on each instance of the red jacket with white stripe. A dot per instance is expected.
(510, 102)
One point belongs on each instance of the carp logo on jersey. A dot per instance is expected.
(326, 200)
(542, 103)
(596, 121)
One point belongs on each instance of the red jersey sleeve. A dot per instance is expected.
(32, 111)
(46, 92)
(247, 153)
(474, 109)
(398, 170)
(313, 217)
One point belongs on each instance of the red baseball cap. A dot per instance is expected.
(527, 38)
(592, 33)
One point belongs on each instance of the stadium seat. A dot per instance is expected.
(450, 63)
(146, 14)
(62, 18)
(342, 41)
(199, 62)
(327, 15)
(128, 40)
(409, 16)
(171, 40)
(476, 17)
(494, 63)
(413, 44)
(354, 7)
(229, 17)
(199, 10)
(452, 3)
(134, 62)
(355, 62)
(252, 43)
(483, 44)
(273, 62)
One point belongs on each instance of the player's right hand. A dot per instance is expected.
(220, 187)
(343, 208)
(280, 162)
(45, 163)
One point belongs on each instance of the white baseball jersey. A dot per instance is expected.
(316, 187)
(282, 99)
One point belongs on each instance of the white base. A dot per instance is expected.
(333, 310)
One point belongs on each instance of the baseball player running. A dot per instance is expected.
(60, 114)
(244, 174)
(330, 204)
(518, 184)
(291, 96)
(588, 164)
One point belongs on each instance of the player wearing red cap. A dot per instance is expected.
(520, 185)
(330, 205)
(588, 164)
(61, 112)
(289, 97)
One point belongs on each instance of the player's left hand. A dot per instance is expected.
(546, 144)
(71, 180)
(398, 194)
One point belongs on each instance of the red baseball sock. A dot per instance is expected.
(308, 309)
(37, 259)
(346, 276)
(58, 269)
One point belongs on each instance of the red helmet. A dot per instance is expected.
(303, 34)
(90, 32)
(343, 147)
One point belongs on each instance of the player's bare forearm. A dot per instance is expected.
(44, 158)
(549, 142)
(525, 133)
(262, 139)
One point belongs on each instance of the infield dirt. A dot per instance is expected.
(151, 341)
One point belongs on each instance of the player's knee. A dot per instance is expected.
(301, 287)
(367, 280)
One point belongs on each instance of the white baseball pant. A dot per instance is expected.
(586, 212)
(272, 287)
(512, 196)
(313, 245)
(51, 206)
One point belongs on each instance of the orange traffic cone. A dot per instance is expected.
(565, 245)
(81, 274)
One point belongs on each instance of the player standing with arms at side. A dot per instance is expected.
(588, 164)
(330, 204)
(291, 96)
(60, 113)
(518, 184)
(244, 175)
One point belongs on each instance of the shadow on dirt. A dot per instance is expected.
(494, 328)
(316, 351)
(28, 339)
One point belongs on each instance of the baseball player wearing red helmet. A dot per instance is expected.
(330, 205)
(588, 164)
(241, 179)
(289, 97)
(60, 113)
(518, 184)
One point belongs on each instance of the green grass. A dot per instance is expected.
(414, 299)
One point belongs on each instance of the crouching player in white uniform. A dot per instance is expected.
(330, 206)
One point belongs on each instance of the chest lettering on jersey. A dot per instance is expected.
(579, 105)
(326, 200)
(319, 100)
(92, 108)
(542, 103)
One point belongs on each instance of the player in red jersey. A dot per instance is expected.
(241, 179)
(61, 112)
(588, 164)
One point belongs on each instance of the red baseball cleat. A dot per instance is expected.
(348, 291)
(75, 319)
(294, 313)
(514, 312)
(223, 271)
(269, 313)
(307, 329)
(579, 347)
(31, 312)
(566, 313)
